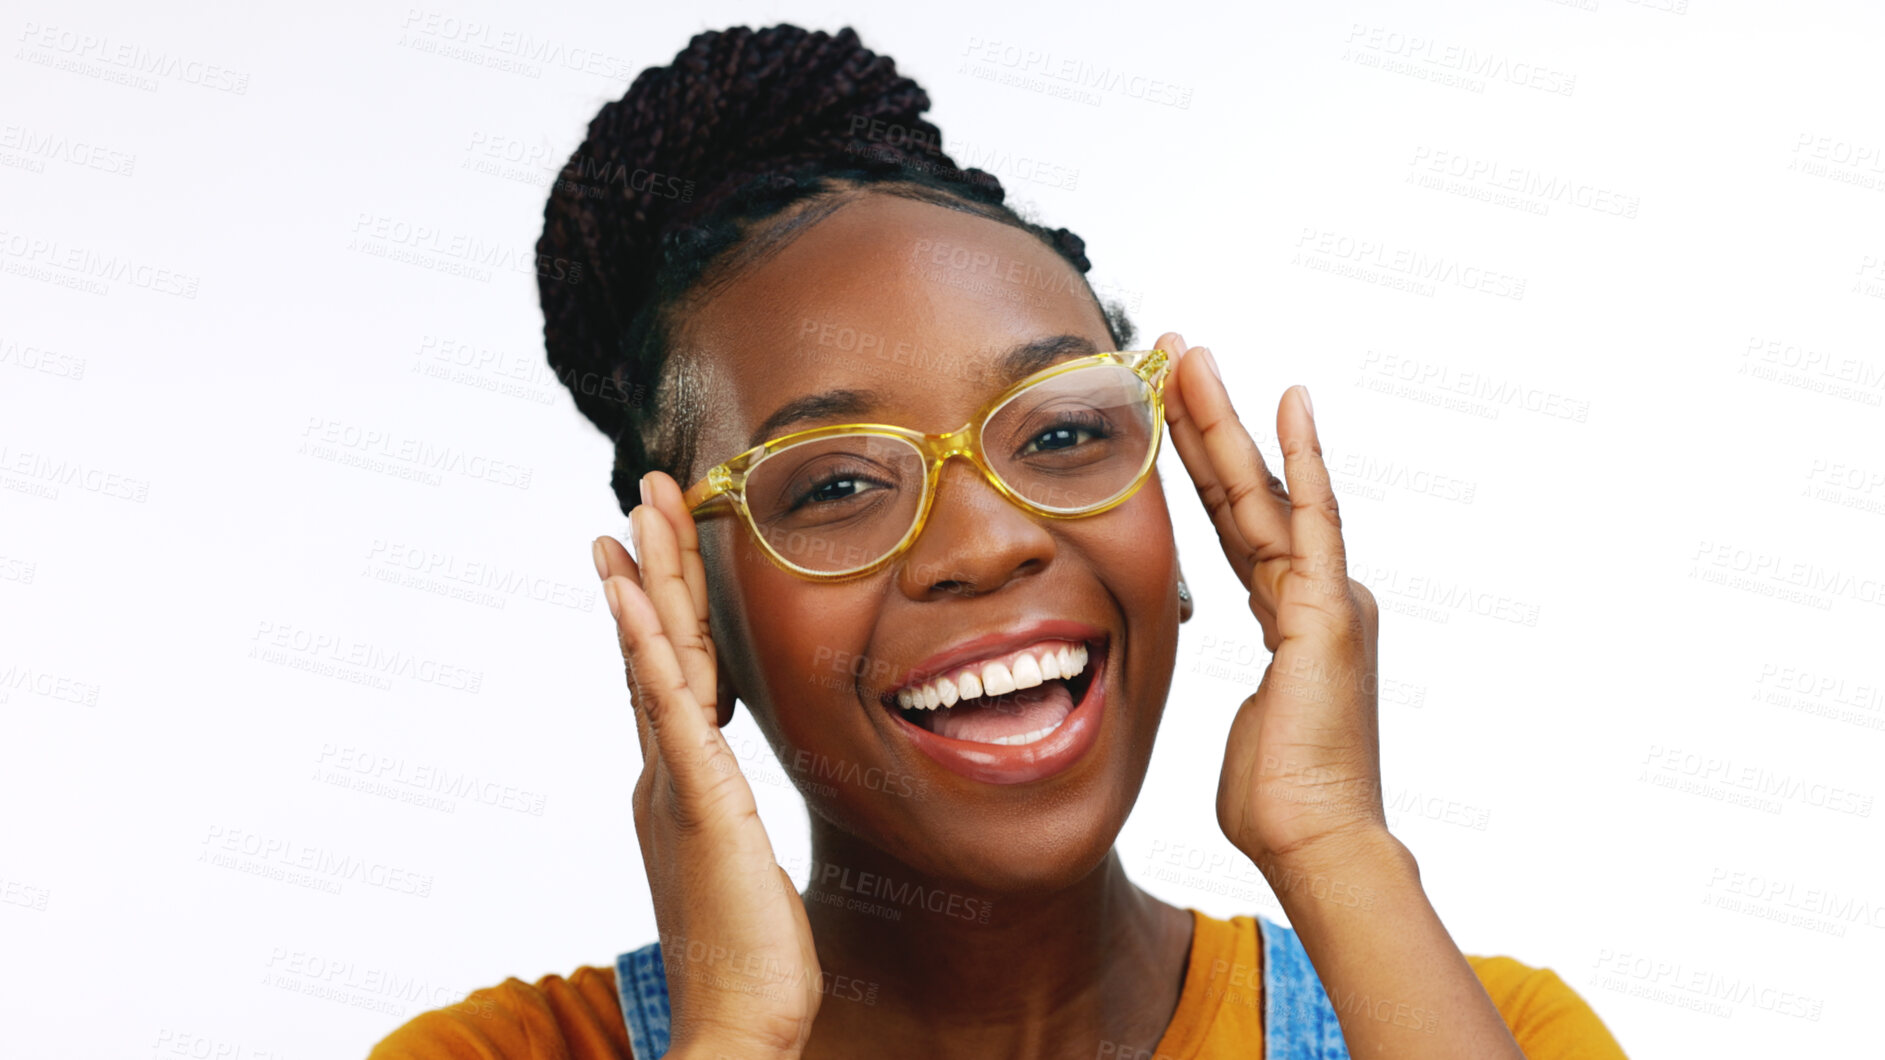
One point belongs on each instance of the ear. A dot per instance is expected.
(724, 695)
(1185, 601)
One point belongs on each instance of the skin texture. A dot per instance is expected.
(1072, 954)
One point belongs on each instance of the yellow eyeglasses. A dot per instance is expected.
(839, 502)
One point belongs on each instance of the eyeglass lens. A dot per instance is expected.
(1070, 443)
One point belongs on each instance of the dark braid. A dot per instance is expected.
(695, 158)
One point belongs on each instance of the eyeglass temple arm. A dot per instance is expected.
(1153, 366)
(709, 489)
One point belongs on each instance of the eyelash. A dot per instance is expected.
(827, 480)
(1091, 422)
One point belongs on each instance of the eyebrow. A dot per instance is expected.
(1016, 364)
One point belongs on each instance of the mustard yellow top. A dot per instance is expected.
(1219, 1011)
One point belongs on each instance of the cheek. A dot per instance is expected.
(1133, 553)
(795, 646)
(745, 601)
(1133, 544)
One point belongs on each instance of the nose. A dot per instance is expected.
(976, 541)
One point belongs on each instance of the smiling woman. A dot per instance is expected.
(936, 563)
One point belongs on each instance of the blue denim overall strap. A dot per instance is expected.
(1298, 1021)
(643, 987)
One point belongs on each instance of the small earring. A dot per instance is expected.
(1184, 591)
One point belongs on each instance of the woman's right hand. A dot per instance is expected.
(743, 977)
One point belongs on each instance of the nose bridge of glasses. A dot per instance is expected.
(965, 442)
(959, 442)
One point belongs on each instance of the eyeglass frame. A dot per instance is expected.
(728, 479)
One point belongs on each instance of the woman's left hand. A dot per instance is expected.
(1302, 770)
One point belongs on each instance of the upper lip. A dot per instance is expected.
(999, 642)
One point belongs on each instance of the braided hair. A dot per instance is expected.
(747, 135)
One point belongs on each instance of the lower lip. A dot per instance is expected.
(993, 763)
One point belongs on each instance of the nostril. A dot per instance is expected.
(941, 579)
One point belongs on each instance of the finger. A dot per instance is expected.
(666, 589)
(1318, 559)
(613, 560)
(665, 495)
(1272, 637)
(614, 557)
(681, 730)
(1185, 439)
(1232, 478)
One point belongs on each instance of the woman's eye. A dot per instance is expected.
(841, 488)
(1064, 436)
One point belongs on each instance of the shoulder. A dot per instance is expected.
(1546, 1015)
(555, 1018)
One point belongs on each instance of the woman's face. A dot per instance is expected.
(916, 306)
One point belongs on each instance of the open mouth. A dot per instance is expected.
(1013, 698)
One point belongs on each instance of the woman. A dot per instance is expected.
(892, 488)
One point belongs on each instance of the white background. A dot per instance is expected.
(1665, 459)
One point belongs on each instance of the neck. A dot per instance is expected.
(918, 966)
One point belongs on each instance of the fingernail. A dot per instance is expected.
(634, 533)
(643, 483)
(602, 565)
(1209, 361)
(615, 602)
(1306, 406)
(1180, 340)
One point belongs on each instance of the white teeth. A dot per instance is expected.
(996, 680)
(970, 685)
(1027, 672)
(1026, 737)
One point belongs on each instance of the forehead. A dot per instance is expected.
(906, 298)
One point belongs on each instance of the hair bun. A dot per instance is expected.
(734, 105)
